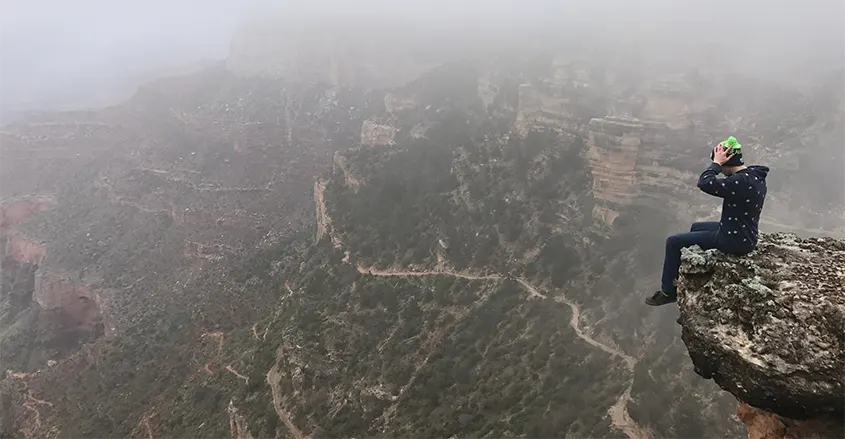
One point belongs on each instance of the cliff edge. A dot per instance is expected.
(769, 327)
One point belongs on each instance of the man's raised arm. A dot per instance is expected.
(711, 184)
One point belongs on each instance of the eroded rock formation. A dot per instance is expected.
(613, 148)
(16, 212)
(768, 328)
(766, 425)
(377, 134)
(59, 310)
(19, 256)
(631, 162)
(72, 309)
(544, 105)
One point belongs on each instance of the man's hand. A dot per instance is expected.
(720, 154)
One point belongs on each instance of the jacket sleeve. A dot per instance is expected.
(718, 187)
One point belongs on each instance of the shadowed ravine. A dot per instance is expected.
(619, 415)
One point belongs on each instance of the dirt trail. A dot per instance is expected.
(148, 428)
(320, 202)
(619, 411)
(535, 293)
(619, 415)
(630, 361)
(237, 374)
(273, 379)
(32, 404)
(407, 273)
(620, 418)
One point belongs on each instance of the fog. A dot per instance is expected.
(85, 53)
(94, 52)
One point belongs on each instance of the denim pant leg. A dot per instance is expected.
(704, 226)
(672, 260)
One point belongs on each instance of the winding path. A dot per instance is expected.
(619, 416)
(410, 273)
(273, 379)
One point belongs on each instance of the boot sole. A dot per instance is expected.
(650, 303)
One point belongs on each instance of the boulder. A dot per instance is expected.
(769, 326)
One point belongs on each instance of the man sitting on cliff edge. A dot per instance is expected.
(743, 192)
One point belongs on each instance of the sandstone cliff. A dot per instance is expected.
(768, 328)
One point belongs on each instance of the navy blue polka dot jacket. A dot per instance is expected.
(743, 194)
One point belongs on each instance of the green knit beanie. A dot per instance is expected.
(732, 145)
(735, 149)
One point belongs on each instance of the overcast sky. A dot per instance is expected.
(55, 51)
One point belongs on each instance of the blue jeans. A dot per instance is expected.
(702, 234)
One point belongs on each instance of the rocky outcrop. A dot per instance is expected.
(768, 327)
(766, 425)
(488, 89)
(16, 212)
(613, 146)
(545, 105)
(637, 149)
(20, 256)
(58, 310)
(72, 309)
(237, 423)
(23, 250)
(339, 164)
(377, 134)
(395, 102)
(631, 163)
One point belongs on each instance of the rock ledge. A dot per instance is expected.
(769, 327)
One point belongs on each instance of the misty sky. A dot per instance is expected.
(52, 51)
(59, 53)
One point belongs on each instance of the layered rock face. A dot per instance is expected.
(614, 145)
(20, 255)
(642, 147)
(60, 309)
(631, 161)
(768, 328)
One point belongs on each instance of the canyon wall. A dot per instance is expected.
(173, 220)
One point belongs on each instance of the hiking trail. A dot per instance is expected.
(273, 379)
(619, 416)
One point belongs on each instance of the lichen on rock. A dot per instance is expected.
(769, 327)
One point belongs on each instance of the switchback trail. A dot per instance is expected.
(619, 411)
(619, 416)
